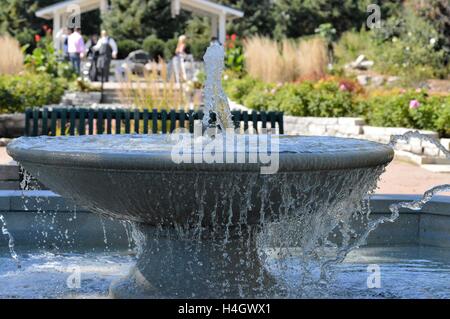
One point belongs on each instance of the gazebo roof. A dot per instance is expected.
(204, 7)
(85, 5)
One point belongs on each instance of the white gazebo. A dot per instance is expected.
(65, 12)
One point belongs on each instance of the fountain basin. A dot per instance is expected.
(135, 178)
(198, 223)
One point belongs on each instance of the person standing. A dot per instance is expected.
(107, 50)
(76, 49)
(92, 55)
(178, 60)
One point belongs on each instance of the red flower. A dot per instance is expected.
(37, 38)
(227, 37)
(233, 37)
(45, 27)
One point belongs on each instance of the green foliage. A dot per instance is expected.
(234, 55)
(169, 50)
(44, 59)
(406, 45)
(126, 46)
(237, 88)
(395, 111)
(330, 98)
(295, 18)
(258, 17)
(155, 47)
(197, 47)
(442, 121)
(198, 33)
(326, 31)
(260, 97)
(29, 90)
(351, 44)
(17, 18)
(137, 19)
(234, 59)
(437, 13)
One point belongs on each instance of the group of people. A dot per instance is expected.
(99, 51)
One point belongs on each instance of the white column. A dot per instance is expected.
(175, 7)
(214, 26)
(57, 30)
(103, 6)
(222, 27)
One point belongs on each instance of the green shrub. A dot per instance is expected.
(29, 90)
(44, 59)
(169, 50)
(290, 99)
(126, 46)
(328, 98)
(154, 46)
(197, 47)
(406, 45)
(261, 97)
(442, 121)
(239, 88)
(433, 112)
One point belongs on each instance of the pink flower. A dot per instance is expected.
(343, 87)
(414, 104)
(233, 37)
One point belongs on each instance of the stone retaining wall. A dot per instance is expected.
(357, 128)
(12, 125)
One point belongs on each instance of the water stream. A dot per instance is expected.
(10, 240)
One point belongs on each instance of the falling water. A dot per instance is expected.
(408, 136)
(10, 240)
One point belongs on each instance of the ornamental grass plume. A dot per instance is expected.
(11, 56)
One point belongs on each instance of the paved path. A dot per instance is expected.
(405, 178)
(399, 178)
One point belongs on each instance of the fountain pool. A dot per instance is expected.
(203, 224)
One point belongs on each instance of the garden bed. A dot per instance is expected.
(339, 98)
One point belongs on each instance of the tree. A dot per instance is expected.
(437, 13)
(258, 17)
(138, 19)
(295, 18)
(17, 18)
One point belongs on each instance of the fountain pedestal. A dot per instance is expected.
(171, 263)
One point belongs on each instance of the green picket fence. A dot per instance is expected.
(83, 121)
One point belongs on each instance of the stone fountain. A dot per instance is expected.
(199, 224)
